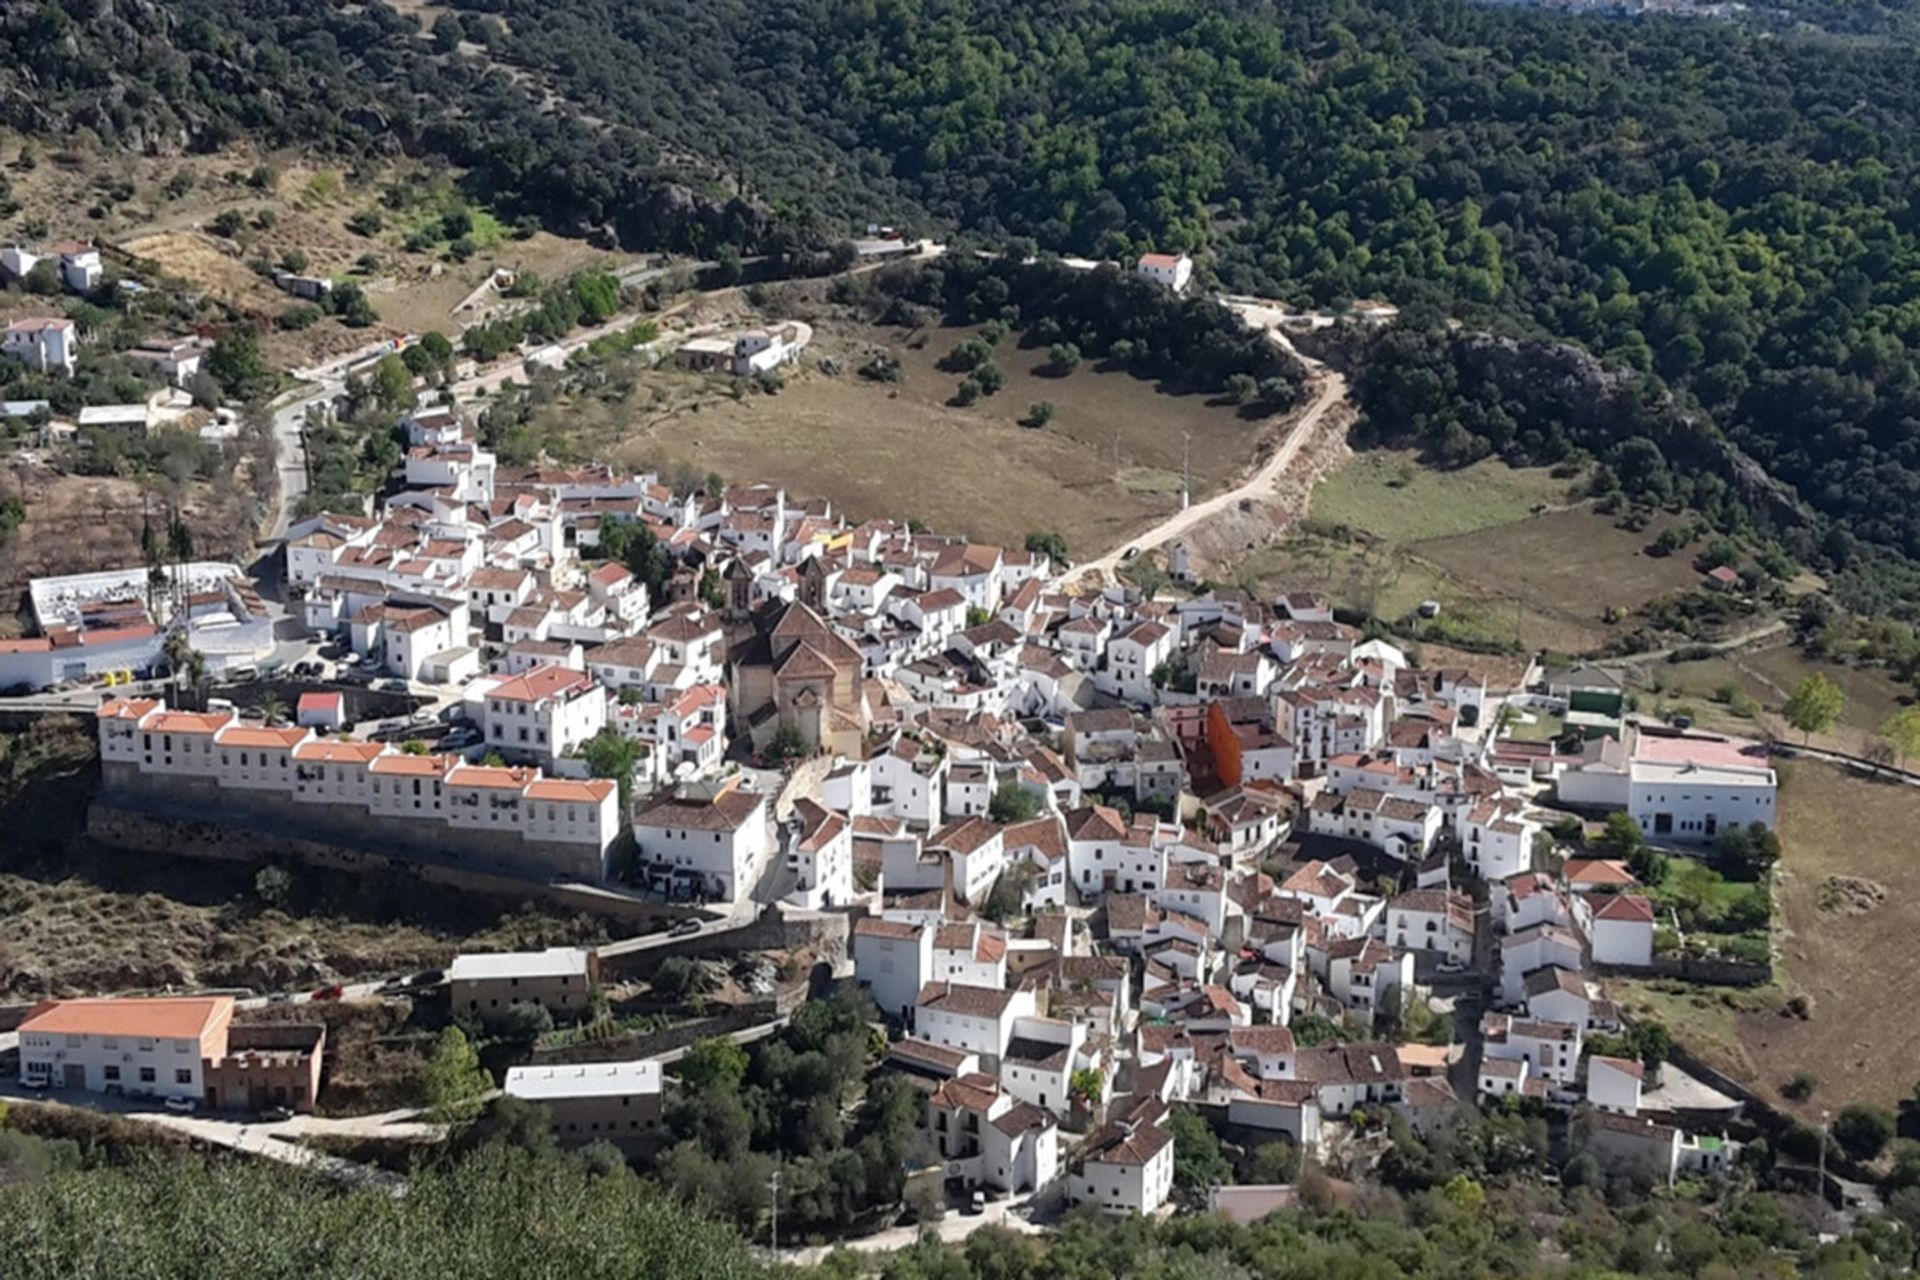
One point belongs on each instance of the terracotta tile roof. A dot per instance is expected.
(189, 722)
(401, 764)
(540, 683)
(1265, 1040)
(1598, 873)
(874, 927)
(728, 812)
(1043, 835)
(1628, 908)
(964, 835)
(1095, 822)
(1128, 1144)
(250, 736)
(967, 1001)
(571, 790)
(334, 751)
(158, 1018)
(1553, 978)
(974, 1092)
(492, 778)
(127, 708)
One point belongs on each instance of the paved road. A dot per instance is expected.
(291, 454)
(278, 1140)
(1332, 391)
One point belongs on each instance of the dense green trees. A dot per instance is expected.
(1725, 210)
(801, 1100)
(1463, 1204)
(501, 1212)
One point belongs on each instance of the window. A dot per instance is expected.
(111, 1073)
(182, 1075)
(146, 1075)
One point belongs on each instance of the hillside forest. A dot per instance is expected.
(1726, 208)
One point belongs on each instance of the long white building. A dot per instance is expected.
(1679, 787)
(358, 793)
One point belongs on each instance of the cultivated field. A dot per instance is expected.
(899, 449)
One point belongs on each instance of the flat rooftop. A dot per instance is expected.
(584, 1080)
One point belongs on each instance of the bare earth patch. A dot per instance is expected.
(1106, 465)
(1847, 843)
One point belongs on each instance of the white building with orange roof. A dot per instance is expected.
(48, 344)
(542, 714)
(1173, 271)
(819, 849)
(182, 741)
(572, 811)
(1682, 787)
(210, 766)
(257, 756)
(624, 597)
(1497, 838)
(334, 771)
(406, 785)
(1620, 928)
(141, 1047)
(703, 844)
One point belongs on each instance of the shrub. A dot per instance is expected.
(1863, 1130)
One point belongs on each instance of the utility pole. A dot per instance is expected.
(1186, 469)
(1823, 1161)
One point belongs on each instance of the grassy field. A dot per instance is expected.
(1387, 493)
(1852, 962)
(1495, 546)
(1765, 678)
(1859, 971)
(1107, 464)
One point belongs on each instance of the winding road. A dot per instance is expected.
(1332, 390)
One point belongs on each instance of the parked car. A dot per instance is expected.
(428, 978)
(684, 928)
(421, 718)
(279, 997)
(976, 1204)
(392, 684)
(332, 991)
(185, 1106)
(36, 1083)
(274, 1115)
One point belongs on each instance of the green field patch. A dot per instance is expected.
(1389, 494)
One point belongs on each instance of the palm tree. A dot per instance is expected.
(271, 709)
(184, 662)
